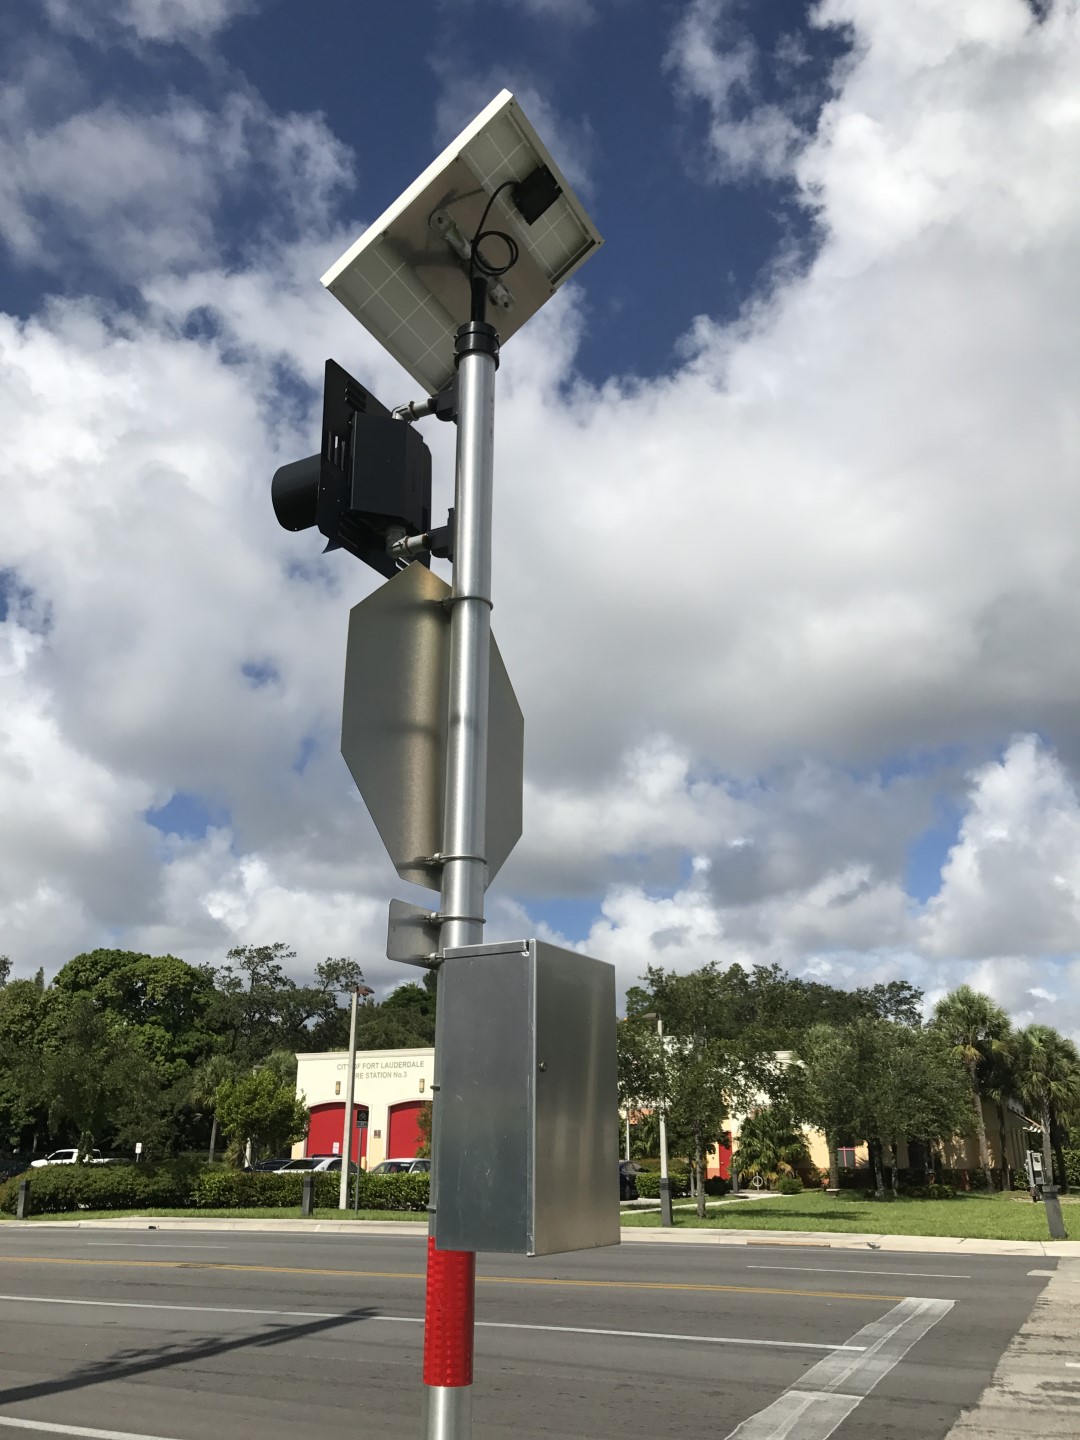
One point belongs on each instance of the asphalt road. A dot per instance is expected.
(191, 1336)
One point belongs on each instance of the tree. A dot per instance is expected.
(975, 1028)
(5, 970)
(880, 1081)
(770, 1144)
(829, 1086)
(161, 1002)
(259, 1112)
(405, 1019)
(1048, 1076)
(93, 1081)
(423, 1129)
(1000, 1085)
(917, 1088)
(22, 1114)
(203, 1089)
(705, 1073)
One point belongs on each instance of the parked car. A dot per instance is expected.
(628, 1173)
(265, 1165)
(402, 1167)
(297, 1166)
(333, 1162)
(68, 1157)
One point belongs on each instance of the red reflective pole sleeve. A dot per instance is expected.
(448, 1316)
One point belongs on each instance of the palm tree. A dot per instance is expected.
(205, 1082)
(770, 1145)
(976, 1029)
(1048, 1076)
(1001, 1085)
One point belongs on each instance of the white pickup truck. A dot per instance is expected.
(68, 1157)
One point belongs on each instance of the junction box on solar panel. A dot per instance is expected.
(525, 1133)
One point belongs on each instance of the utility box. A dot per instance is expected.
(525, 1135)
(1033, 1163)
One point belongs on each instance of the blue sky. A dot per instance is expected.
(675, 246)
(785, 511)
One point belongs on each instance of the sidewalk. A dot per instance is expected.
(812, 1239)
(1036, 1386)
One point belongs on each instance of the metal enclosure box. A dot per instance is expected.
(525, 1134)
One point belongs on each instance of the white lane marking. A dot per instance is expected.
(1047, 1273)
(810, 1417)
(1072, 1364)
(830, 1390)
(418, 1320)
(858, 1270)
(83, 1430)
(659, 1335)
(195, 1309)
(150, 1245)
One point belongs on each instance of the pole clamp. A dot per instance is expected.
(441, 919)
(452, 600)
(440, 858)
(476, 337)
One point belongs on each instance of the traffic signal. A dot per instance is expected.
(371, 476)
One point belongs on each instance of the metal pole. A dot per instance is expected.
(665, 1182)
(1054, 1221)
(350, 1092)
(451, 1274)
(628, 1135)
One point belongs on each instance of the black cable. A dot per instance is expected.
(476, 260)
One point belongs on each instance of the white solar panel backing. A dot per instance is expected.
(407, 287)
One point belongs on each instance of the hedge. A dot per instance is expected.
(57, 1189)
(648, 1184)
(62, 1189)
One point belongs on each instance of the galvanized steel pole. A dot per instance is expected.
(350, 1092)
(451, 1276)
(665, 1182)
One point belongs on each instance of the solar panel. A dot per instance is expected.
(403, 280)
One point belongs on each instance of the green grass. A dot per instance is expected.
(285, 1212)
(983, 1217)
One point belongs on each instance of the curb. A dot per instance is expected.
(837, 1240)
(417, 1229)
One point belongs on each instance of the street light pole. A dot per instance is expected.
(350, 1092)
(665, 1180)
(348, 1125)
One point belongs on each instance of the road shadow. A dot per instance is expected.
(129, 1363)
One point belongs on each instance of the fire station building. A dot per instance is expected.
(392, 1086)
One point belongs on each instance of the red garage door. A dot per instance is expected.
(324, 1130)
(404, 1131)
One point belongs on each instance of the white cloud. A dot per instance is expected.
(148, 20)
(464, 91)
(734, 601)
(714, 59)
(140, 192)
(1011, 884)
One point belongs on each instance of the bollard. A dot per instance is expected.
(1053, 1213)
(22, 1205)
(665, 1201)
(307, 1197)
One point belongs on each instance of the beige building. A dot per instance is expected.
(392, 1088)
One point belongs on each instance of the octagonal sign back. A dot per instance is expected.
(394, 720)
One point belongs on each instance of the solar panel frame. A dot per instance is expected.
(405, 285)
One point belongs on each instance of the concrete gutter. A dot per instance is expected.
(636, 1235)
